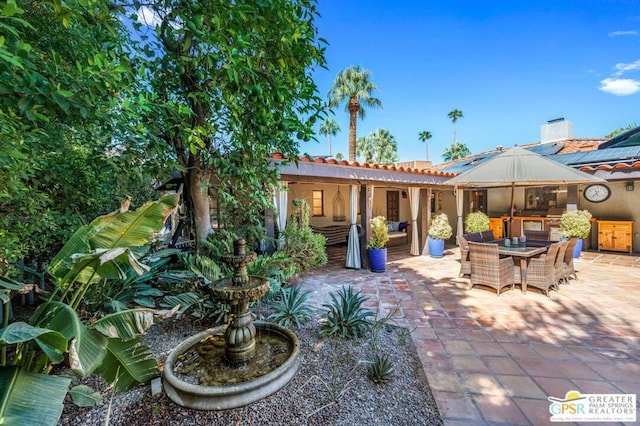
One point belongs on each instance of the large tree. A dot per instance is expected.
(454, 116)
(231, 84)
(67, 127)
(424, 136)
(354, 86)
(454, 151)
(329, 128)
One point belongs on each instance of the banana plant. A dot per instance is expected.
(106, 248)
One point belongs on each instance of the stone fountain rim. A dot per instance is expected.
(229, 396)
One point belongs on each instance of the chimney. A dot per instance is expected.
(556, 130)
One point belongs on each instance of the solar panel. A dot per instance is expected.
(546, 149)
(598, 156)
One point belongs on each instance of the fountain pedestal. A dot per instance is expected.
(244, 340)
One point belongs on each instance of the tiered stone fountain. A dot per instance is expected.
(234, 365)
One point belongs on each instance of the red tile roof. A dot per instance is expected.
(332, 161)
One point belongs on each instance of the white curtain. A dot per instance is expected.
(459, 207)
(414, 202)
(353, 246)
(281, 202)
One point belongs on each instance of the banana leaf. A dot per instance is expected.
(127, 364)
(119, 229)
(88, 347)
(103, 263)
(52, 343)
(29, 398)
(125, 325)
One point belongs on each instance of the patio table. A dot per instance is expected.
(523, 252)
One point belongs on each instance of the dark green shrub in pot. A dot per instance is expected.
(476, 222)
(376, 244)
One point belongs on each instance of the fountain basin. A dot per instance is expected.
(223, 397)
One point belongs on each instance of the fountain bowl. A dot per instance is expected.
(203, 397)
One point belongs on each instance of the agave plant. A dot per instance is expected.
(380, 368)
(292, 308)
(104, 249)
(346, 317)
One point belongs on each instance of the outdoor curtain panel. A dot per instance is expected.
(280, 201)
(353, 247)
(414, 201)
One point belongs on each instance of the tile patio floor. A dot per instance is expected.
(495, 360)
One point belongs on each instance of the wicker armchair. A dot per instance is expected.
(465, 264)
(569, 269)
(487, 268)
(540, 270)
(558, 267)
(537, 235)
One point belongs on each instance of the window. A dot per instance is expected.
(393, 206)
(318, 203)
(542, 198)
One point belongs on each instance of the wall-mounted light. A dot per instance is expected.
(629, 186)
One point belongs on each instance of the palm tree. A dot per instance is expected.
(424, 136)
(365, 148)
(339, 156)
(379, 146)
(353, 85)
(455, 150)
(330, 128)
(454, 115)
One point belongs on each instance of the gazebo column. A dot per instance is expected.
(366, 206)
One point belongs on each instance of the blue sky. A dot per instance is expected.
(509, 66)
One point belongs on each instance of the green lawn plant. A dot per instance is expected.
(110, 345)
(345, 316)
(476, 222)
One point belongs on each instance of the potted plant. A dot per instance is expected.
(376, 244)
(439, 231)
(576, 223)
(476, 222)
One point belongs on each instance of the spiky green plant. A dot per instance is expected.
(380, 368)
(346, 317)
(292, 308)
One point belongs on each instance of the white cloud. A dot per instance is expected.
(622, 68)
(148, 17)
(623, 33)
(620, 86)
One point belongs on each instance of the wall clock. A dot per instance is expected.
(596, 193)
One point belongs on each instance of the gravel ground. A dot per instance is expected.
(331, 387)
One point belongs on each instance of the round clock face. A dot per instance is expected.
(597, 193)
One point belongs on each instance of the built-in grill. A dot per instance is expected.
(553, 222)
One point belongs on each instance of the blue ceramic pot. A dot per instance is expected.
(436, 247)
(378, 259)
(578, 249)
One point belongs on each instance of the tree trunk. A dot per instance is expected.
(354, 107)
(197, 192)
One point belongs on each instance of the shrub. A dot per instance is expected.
(379, 233)
(576, 223)
(305, 248)
(476, 222)
(346, 317)
(440, 228)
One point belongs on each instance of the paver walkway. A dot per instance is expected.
(495, 360)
